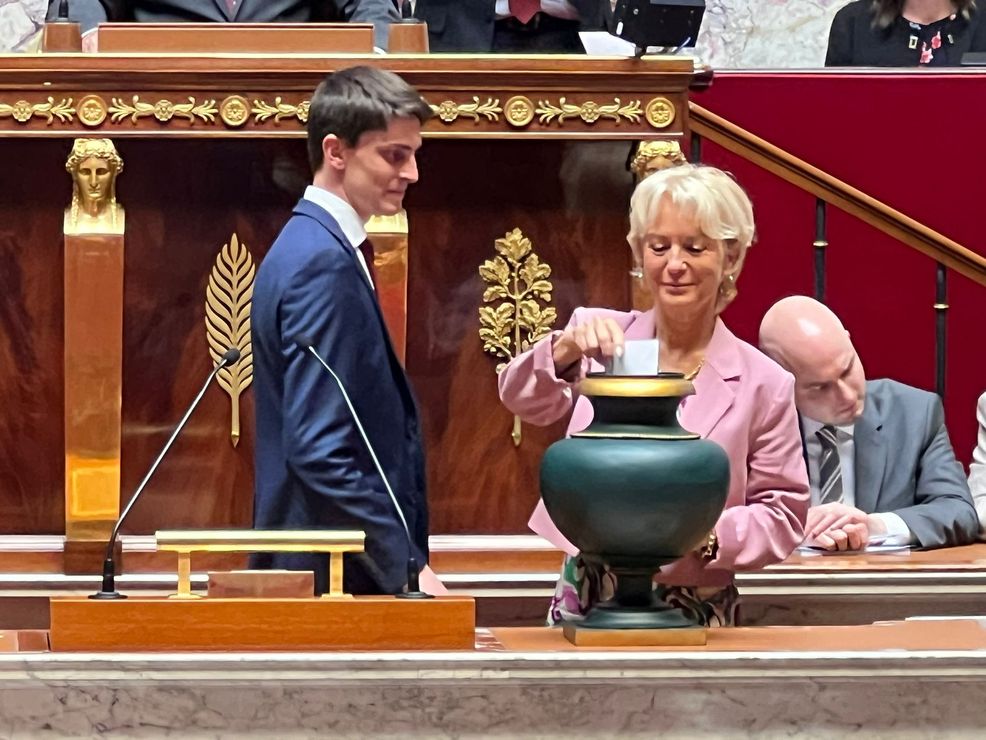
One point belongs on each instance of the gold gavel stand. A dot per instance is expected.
(335, 543)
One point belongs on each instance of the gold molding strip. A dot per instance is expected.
(234, 111)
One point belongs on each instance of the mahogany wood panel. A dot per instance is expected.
(184, 200)
(254, 38)
(360, 623)
(33, 191)
(570, 199)
(23, 641)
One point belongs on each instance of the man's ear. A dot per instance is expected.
(333, 152)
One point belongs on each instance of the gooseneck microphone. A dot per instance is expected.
(305, 344)
(108, 590)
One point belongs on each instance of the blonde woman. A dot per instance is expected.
(690, 228)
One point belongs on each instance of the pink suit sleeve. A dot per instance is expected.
(771, 525)
(529, 387)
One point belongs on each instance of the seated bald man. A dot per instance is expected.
(880, 463)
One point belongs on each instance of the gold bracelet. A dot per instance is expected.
(708, 550)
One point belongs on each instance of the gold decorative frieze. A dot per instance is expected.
(516, 281)
(279, 110)
(162, 110)
(234, 111)
(92, 110)
(23, 111)
(519, 111)
(228, 302)
(589, 111)
(660, 113)
(448, 110)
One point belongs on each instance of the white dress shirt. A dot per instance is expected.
(345, 215)
(557, 8)
(977, 469)
(897, 531)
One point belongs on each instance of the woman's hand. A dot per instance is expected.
(598, 339)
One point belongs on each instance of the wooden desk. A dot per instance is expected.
(512, 579)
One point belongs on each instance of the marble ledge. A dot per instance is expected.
(490, 668)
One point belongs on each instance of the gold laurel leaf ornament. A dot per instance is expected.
(228, 301)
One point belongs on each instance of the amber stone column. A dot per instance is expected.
(389, 237)
(94, 226)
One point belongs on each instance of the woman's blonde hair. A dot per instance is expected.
(720, 206)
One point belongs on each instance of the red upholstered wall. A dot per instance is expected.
(915, 141)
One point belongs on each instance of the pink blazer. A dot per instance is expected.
(743, 401)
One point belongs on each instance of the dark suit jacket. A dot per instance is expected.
(313, 470)
(854, 42)
(905, 465)
(467, 25)
(91, 12)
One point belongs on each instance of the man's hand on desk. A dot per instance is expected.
(841, 527)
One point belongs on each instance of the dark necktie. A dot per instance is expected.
(829, 467)
(524, 10)
(366, 249)
(231, 6)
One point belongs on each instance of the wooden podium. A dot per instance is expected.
(229, 625)
(214, 146)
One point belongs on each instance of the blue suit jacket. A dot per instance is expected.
(312, 468)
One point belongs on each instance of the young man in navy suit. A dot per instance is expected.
(313, 469)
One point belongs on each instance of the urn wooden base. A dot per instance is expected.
(584, 637)
(225, 625)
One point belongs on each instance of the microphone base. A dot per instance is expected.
(107, 595)
(414, 595)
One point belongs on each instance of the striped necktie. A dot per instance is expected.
(829, 467)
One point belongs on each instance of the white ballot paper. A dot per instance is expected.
(639, 358)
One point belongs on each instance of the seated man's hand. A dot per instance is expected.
(840, 527)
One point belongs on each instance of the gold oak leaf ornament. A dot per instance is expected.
(516, 281)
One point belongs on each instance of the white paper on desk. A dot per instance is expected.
(639, 357)
(605, 44)
(868, 550)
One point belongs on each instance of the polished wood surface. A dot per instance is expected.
(950, 634)
(408, 37)
(254, 38)
(23, 641)
(569, 199)
(225, 625)
(32, 460)
(261, 584)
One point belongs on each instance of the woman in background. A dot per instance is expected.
(905, 33)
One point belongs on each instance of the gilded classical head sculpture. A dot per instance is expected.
(94, 165)
(652, 156)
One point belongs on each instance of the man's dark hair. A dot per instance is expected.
(352, 101)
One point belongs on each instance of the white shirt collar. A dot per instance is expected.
(809, 426)
(344, 214)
